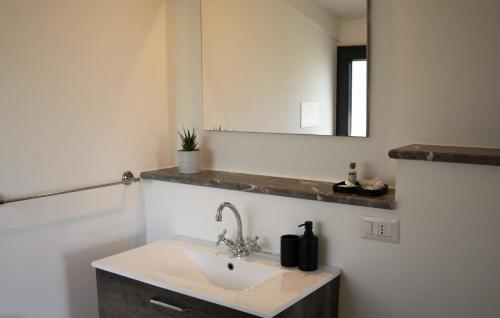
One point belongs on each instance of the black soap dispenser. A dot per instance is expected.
(308, 249)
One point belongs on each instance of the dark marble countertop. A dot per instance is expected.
(466, 155)
(287, 187)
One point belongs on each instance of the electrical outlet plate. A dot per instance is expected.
(380, 229)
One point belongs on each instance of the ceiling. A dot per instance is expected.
(346, 9)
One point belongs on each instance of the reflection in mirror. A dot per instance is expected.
(285, 66)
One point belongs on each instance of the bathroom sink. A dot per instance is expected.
(231, 273)
(254, 284)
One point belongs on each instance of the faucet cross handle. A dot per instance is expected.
(253, 243)
(221, 237)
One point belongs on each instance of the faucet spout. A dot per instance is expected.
(218, 218)
(240, 247)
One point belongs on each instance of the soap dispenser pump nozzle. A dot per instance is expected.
(308, 225)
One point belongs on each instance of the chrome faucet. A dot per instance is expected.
(240, 247)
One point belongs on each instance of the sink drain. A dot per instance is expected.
(230, 266)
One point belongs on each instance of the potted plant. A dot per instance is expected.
(189, 156)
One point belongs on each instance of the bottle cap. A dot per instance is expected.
(353, 165)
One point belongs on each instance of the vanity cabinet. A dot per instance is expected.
(121, 297)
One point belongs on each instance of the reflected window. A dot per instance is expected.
(357, 120)
(351, 114)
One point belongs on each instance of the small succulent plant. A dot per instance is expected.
(188, 140)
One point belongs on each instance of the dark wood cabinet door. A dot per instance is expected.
(121, 297)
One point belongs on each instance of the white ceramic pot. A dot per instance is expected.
(189, 161)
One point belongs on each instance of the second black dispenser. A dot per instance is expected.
(308, 249)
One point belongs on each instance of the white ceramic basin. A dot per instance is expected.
(257, 284)
(231, 273)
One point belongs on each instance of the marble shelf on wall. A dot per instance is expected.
(287, 187)
(465, 155)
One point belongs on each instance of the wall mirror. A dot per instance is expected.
(285, 66)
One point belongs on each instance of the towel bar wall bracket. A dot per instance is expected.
(127, 179)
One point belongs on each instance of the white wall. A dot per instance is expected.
(353, 32)
(433, 80)
(82, 98)
(316, 12)
(288, 59)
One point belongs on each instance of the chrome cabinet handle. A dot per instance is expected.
(168, 306)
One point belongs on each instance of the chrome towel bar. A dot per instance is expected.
(127, 179)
